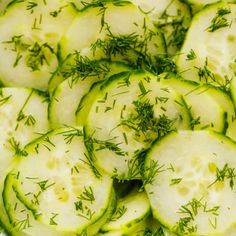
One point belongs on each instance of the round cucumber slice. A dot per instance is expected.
(74, 90)
(60, 185)
(190, 178)
(116, 31)
(212, 58)
(130, 111)
(130, 210)
(29, 42)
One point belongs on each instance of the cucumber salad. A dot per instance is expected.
(117, 118)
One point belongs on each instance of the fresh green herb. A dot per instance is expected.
(15, 145)
(52, 219)
(20, 225)
(87, 195)
(83, 67)
(120, 211)
(116, 45)
(219, 21)
(37, 56)
(31, 5)
(175, 181)
(83, 210)
(186, 225)
(151, 171)
(57, 12)
(226, 173)
(143, 121)
(191, 55)
(70, 133)
(4, 100)
(44, 185)
(110, 145)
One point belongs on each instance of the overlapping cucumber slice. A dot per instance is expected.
(58, 183)
(212, 58)
(30, 32)
(127, 113)
(192, 184)
(117, 30)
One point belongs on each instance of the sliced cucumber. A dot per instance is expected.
(67, 192)
(29, 43)
(21, 219)
(212, 58)
(129, 111)
(210, 108)
(74, 90)
(199, 4)
(23, 114)
(197, 197)
(116, 30)
(172, 19)
(130, 210)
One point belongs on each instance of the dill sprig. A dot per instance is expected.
(151, 171)
(87, 195)
(70, 133)
(82, 67)
(186, 224)
(116, 45)
(15, 145)
(219, 21)
(143, 121)
(36, 57)
(120, 211)
(226, 173)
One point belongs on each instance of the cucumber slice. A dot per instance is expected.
(212, 58)
(210, 108)
(199, 4)
(23, 114)
(172, 19)
(22, 220)
(129, 111)
(135, 230)
(197, 197)
(116, 31)
(67, 192)
(29, 43)
(130, 210)
(74, 90)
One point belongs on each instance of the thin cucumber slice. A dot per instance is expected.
(67, 191)
(23, 114)
(21, 219)
(197, 197)
(29, 42)
(212, 58)
(199, 4)
(210, 107)
(172, 19)
(138, 229)
(130, 210)
(129, 111)
(73, 90)
(116, 31)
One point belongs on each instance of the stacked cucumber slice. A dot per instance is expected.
(117, 118)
